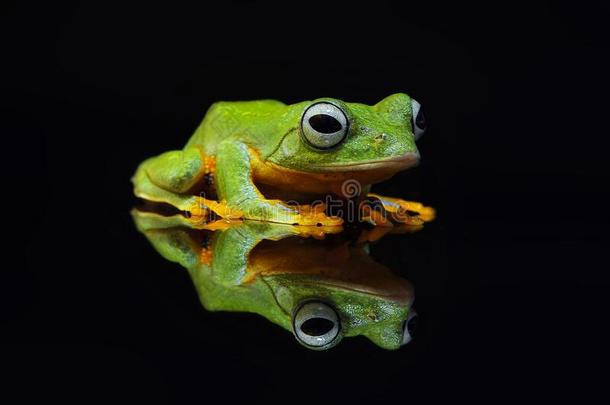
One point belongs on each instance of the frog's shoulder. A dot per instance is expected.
(226, 117)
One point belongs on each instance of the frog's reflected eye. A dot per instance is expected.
(324, 125)
(316, 325)
(409, 327)
(417, 119)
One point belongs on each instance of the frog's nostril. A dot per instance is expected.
(381, 137)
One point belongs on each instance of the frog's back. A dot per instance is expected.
(250, 121)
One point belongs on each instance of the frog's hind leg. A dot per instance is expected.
(169, 177)
(402, 211)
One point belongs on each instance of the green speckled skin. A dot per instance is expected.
(370, 300)
(241, 135)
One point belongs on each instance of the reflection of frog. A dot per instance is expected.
(247, 153)
(321, 291)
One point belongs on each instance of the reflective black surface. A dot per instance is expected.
(516, 257)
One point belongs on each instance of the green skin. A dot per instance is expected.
(379, 137)
(377, 313)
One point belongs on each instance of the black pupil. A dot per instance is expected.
(324, 123)
(420, 120)
(316, 326)
(412, 325)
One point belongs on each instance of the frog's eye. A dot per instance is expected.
(417, 119)
(316, 325)
(409, 327)
(324, 125)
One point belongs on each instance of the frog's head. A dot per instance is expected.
(323, 310)
(329, 135)
(326, 294)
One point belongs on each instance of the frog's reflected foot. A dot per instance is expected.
(400, 211)
(378, 232)
(407, 228)
(216, 225)
(373, 234)
(317, 232)
(152, 220)
(312, 215)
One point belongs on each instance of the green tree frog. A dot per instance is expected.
(247, 159)
(321, 289)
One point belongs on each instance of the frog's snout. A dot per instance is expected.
(382, 136)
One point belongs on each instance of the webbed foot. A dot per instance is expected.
(315, 215)
(405, 212)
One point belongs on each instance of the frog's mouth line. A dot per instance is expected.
(396, 163)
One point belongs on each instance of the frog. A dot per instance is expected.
(270, 161)
(318, 288)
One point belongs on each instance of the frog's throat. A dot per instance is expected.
(324, 178)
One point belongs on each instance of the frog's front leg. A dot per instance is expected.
(235, 184)
(169, 177)
(399, 210)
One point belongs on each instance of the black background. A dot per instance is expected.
(510, 280)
